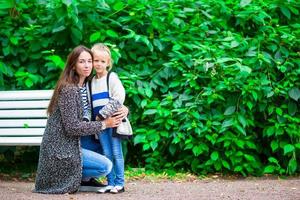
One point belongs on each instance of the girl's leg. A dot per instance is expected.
(105, 141)
(94, 165)
(118, 165)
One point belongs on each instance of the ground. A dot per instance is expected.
(211, 188)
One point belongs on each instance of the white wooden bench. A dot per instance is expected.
(23, 117)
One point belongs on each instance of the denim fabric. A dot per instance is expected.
(90, 143)
(112, 149)
(94, 165)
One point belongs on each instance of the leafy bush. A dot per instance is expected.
(213, 86)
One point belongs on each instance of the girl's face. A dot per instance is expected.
(101, 62)
(84, 65)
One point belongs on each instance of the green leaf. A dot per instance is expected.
(146, 147)
(57, 61)
(76, 35)
(118, 6)
(158, 44)
(225, 164)
(279, 111)
(273, 160)
(148, 92)
(249, 157)
(294, 93)
(112, 33)
(242, 120)
(58, 29)
(269, 169)
(227, 123)
(153, 145)
(67, 2)
(95, 36)
(274, 145)
(14, 40)
(244, 3)
(28, 83)
(229, 110)
(197, 150)
(214, 156)
(6, 4)
(270, 131)
(292, 166)
(144, 103)
(292, 108)
(286, 12)
(150, 112)
(139, 138)
(288, 148)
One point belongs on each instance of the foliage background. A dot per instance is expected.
(212, 86)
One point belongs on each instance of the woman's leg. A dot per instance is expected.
(90, 143)
(94, 165)
(118, 162)
(105, 141)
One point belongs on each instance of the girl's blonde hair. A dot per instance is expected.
(102, 47)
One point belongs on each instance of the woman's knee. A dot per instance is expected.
(107, 167)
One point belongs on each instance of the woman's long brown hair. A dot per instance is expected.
(68, 77)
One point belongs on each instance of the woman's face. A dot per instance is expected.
(84, 65)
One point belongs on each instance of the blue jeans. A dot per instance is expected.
(90, 143)
(112, 149)
(94, 164)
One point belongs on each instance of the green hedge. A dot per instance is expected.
(212, 86)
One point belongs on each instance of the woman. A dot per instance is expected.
(62, 162)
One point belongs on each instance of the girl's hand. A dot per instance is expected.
(112, 122)
(122, 112)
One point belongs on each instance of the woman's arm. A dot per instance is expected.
(69, 110)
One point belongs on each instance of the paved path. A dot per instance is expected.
(251, 188)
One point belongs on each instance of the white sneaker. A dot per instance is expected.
(105, 189)
(117, 189)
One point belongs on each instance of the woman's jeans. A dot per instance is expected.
(112, 149)
(94, 165)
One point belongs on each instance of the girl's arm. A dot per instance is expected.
(116, 88)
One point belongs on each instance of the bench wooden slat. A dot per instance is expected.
(23, 117)
(23, 122)
(23, 114)
(25, 94)
(21, 131)
(20, 141)
(23, 104)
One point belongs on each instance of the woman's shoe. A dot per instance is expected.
(91, 185)
(105, 189)
(117, 189)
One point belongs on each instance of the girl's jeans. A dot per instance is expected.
(94, 165)
(112, 149)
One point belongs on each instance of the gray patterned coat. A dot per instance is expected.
(60, 165)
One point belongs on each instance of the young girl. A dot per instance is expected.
(112, 147)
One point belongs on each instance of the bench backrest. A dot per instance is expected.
(23, 116)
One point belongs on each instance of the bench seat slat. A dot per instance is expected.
(24, 104)
(23, 117)
(41, 113)
(29, 123)
(21, 131)
(25, 94)
(20, 141)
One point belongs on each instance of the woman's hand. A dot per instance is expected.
(112, 122)
(122, 112)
